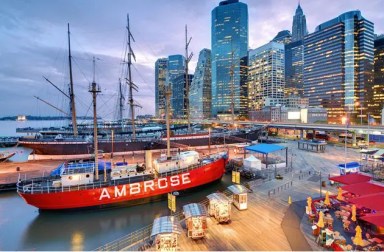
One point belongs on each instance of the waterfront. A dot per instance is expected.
(29, 229)
(8, 129)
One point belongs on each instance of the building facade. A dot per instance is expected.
(376, 105)
(294, 68)
(175, 69)
(338, 66)
(229, 43)
(266, 81)
(299, 25)
(283, 37)
(160, 85)
(200, 89)
(179, 93)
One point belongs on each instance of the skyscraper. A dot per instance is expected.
(338, 67)
(200, 89)
(229, 53)
(266, 76)
(176, 68)
(299, 25)
(294, 56)
(283, 37)
(179, 94)
(160, 84)
(376, 103)
(294, 66)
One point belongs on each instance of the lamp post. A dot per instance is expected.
(345, 121)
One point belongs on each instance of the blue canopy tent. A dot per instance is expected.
(266, 149)
(351, 167)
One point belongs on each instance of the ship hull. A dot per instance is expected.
(82, 148)
(125, 193)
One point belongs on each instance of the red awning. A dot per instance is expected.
(376, 219)
(371, 201)
(352, 178)
(363, 188)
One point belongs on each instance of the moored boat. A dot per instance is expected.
(77, 187)
(4, 156)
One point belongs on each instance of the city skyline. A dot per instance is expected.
(34, 44)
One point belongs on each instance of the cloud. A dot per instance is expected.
(33, 43)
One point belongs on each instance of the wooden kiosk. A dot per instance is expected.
(195, 219)
(165, 230)
(219, 207)
(240, 196)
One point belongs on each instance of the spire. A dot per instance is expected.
(299, 25)
(299, 10)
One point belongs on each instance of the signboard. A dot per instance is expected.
(172, 202)
(293, 115)
(236, 177)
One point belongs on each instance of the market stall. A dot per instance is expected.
(165, 231)
(219, 207)
(195, 219)
(240, 196)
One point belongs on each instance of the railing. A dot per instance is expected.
(136, 240)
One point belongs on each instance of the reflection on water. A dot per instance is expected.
(77, 241)
(29, 229)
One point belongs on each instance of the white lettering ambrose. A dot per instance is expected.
(146, 186)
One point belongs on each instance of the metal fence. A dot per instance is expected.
(141, 238)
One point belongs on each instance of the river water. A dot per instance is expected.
(23, 227)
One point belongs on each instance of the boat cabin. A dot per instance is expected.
(240, 196)
(81, 174)
(165, 231)
(180, 161)
(195, 219)
(219, 207)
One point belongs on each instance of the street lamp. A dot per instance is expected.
(345, 121)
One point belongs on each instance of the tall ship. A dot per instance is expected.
(79, 185)
(78, 142)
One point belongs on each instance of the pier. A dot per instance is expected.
(270, 222)
(8, 141)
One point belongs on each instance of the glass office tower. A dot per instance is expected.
(338, 66)
(176, 68)
(376, 103)
(179, 93)
(266, 80)
(294, 64)
(200, 90)
(229, 44)
(160, 84)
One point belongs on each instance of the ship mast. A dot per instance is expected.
(188, 58)
(167, 115)
(121, 104)
(94, 89)
(71, 93)
(131, 85)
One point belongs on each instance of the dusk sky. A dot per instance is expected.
(33, 43)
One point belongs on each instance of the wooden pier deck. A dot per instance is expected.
(267, 224)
